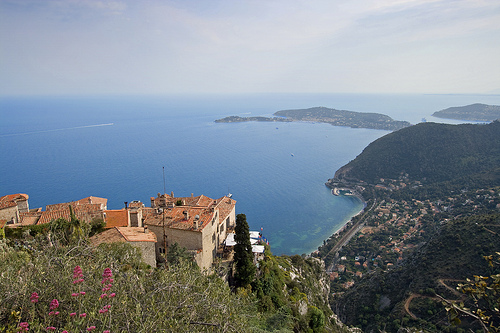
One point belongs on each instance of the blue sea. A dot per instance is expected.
(59, 149)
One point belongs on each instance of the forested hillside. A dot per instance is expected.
(432, 216)
(408, 295)
(429, 152)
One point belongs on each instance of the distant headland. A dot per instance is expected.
(326, 115)
(473, 112)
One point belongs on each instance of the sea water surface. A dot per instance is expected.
(59, 149)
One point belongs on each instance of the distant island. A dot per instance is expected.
(473, 112)
(330, 116)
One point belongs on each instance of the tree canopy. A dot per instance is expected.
(243, 257)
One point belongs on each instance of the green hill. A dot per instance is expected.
(428, 152)
(474, 112)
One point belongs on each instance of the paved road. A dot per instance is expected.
(349, 234)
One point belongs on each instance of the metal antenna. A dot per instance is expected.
(164, 190)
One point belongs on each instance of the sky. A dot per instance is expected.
(88, 47)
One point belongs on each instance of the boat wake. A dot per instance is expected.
(55, 130)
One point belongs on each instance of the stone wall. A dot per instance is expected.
(148, 252)
(10, 214)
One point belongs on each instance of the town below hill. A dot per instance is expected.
(432, 216)
(330, 116)
(473, 112)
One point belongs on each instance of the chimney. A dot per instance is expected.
(186, 215)
(192, 195)
(146, 230)
(196, 222)
(126, 204)
(172, 194)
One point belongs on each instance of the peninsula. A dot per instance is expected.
(326, 115)
(473, 112)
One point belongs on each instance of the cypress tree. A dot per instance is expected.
(243, 256)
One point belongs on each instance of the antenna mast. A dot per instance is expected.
(164, 190)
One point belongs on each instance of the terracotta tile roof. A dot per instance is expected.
(200, 201)
(11, 200)
(153, 218)
(90, 203)
(116, 218)
(179, 221)
(176, 217)
(108, 236)
(29, 218)
(93, 200)
(226, 206)
(3, 223)
(136, 204)
(51, 215)
(137, 234)
(123, 234)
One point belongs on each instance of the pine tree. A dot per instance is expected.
(243, 256)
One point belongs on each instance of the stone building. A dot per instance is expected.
(11, 206)
(85, 209)
(200, 224)
(136, 236)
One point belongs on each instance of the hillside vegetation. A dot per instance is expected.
(432, 217)
(109, 289)
(474, 112)
(406, 296)
(429, 152)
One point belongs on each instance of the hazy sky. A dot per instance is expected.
(241, 46)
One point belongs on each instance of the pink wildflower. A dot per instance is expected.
(23, 327)
(82, 292)
(91, 328)
(34, 298)
(64, 331)
(77, 272)
(106, 331)
(72, 314)
(54, 304)
(107, 273)
(83, 315)
(51, 328)
(74, 294)
(103, 296)
(112, 295)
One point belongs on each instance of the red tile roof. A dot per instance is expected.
(11, 200)
(137, 234)
(51, 215)
(93, 200)
(116, 218)
(29, 218)
(122, 234)
(108, 236)
(226, 206)
(90, 203)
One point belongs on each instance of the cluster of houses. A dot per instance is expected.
(202, 225)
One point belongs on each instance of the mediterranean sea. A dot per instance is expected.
(59, 149)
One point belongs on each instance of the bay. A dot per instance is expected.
(58, 149)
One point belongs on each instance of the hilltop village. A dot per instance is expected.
(202, 225)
